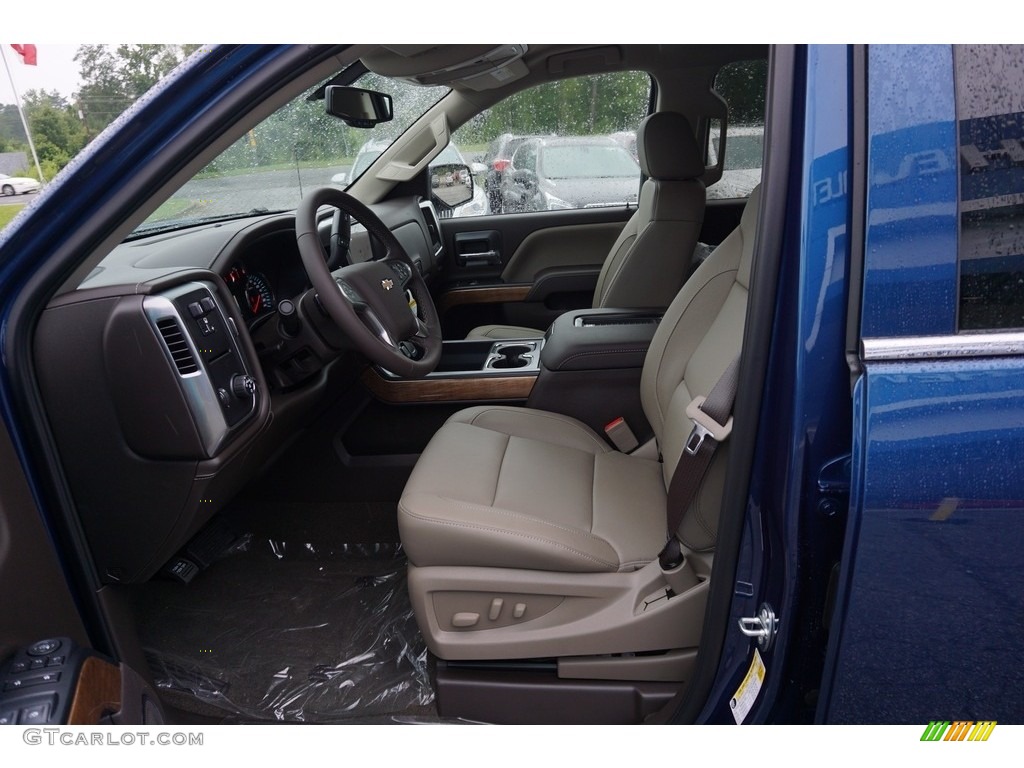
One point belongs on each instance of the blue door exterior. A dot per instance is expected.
(884, 514)
(929, 605)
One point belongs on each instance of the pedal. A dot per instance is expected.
(180, 569)
(210, 544)
(202, 551)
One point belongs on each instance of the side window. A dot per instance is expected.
(990, 123)
(525, 158)
(742, 84)
(582, 148)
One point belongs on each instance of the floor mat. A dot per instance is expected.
(287, 631)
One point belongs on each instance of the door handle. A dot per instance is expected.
(482, 259)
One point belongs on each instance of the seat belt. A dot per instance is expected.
(712, 424)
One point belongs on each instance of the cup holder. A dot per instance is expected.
(511, 356)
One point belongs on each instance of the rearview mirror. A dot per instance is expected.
(358, 107)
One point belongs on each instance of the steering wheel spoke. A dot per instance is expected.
(382, 305)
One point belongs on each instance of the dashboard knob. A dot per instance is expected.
(290, 324)
(243, 386)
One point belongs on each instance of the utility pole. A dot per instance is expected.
(21, 113)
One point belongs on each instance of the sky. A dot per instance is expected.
(66, 27)
(55, 70)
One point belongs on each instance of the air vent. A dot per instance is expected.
(177, 346)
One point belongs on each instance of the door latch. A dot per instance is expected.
(763, 626)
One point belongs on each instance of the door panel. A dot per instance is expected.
(548, 263)
(40, 625)
(42, 606)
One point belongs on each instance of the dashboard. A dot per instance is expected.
(184, 362)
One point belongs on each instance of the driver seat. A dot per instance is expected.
(529, 536)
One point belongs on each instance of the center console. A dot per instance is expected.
(587, 366)
(469, 370)
(590, 367)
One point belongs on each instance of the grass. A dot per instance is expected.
(173, 208)
(8, 212)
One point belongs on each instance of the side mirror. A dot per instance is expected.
(358, 107)
(341, 179)
(477, 168)
(451, 184)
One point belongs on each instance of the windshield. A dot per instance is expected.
(298, 147)
(587, 161)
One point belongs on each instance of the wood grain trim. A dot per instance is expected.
(479, 388)
(97, 693)
(494, 294)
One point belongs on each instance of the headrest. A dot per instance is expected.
(667, 147)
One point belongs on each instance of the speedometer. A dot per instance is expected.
(258, 297)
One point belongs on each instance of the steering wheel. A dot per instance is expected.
(369, 300)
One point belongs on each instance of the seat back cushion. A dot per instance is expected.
(699, 336)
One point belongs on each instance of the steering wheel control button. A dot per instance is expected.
(348, 292)
(37, 664)
(18, 667)
(195, 310)
(55, 661)
(43, 648)
(401, 269)
(8, 718)
(465, 620)
(207, 304)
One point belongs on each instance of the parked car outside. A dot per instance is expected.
(17, 185)
(559, 173)
(497, 159)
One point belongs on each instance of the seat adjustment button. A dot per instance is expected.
(465, 619)
(519, 610)
(495, 611)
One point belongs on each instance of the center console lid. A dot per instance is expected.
(599, 339)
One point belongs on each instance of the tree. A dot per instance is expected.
(10, 125)
(56, 131)
(115, 77)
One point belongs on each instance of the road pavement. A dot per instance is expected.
(18, 199)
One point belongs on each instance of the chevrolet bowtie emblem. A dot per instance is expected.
(386, 284)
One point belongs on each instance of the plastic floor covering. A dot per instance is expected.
(287, 632)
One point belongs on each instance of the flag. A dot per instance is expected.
(27, 53)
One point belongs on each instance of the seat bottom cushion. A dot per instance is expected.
(520, 488)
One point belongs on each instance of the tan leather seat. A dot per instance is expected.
(652, 256)
(516, 510)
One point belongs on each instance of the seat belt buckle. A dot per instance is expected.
(703, 427)
(621, 435)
